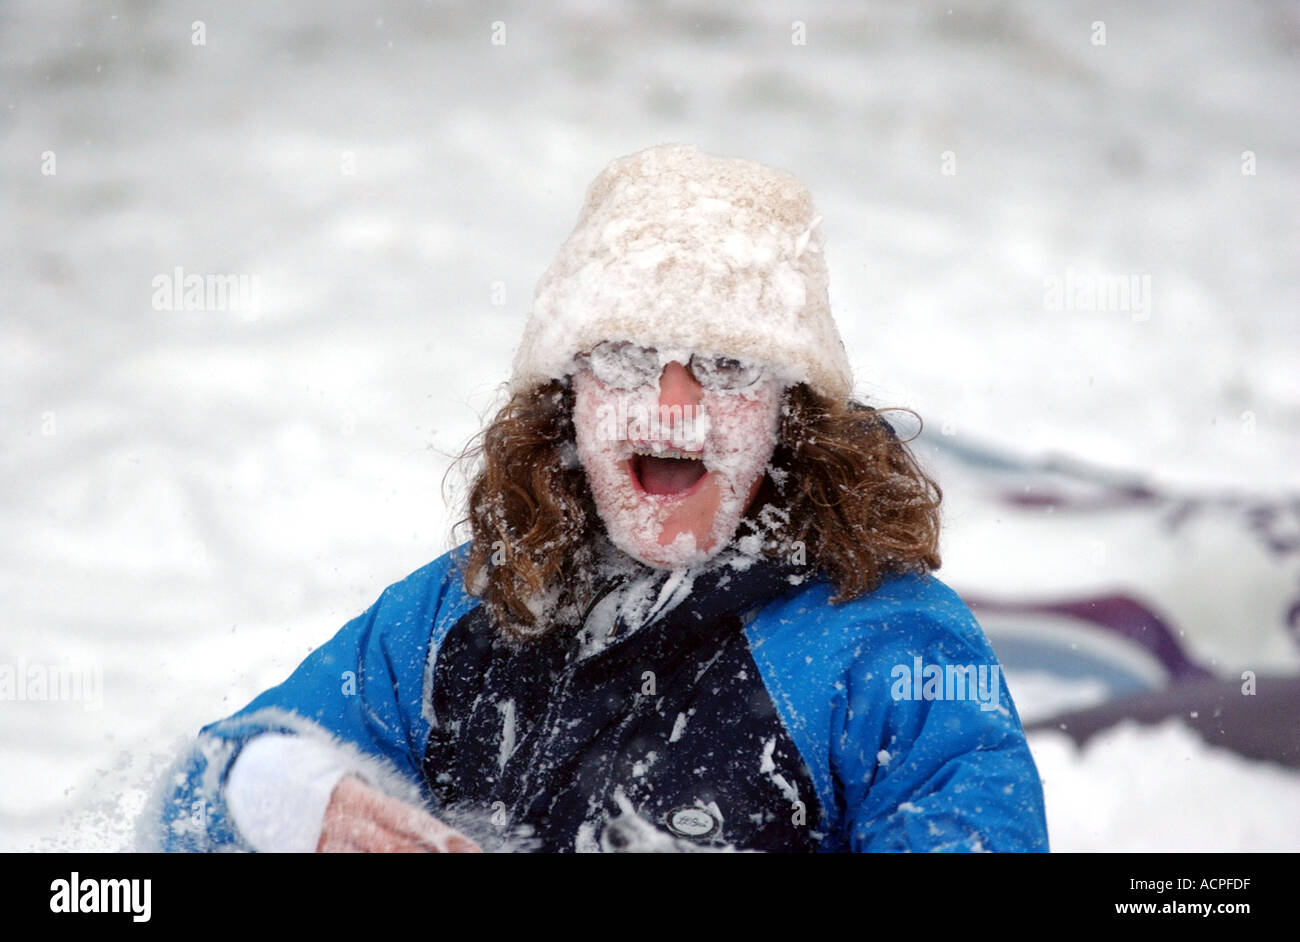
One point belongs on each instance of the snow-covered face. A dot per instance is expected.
(673, 464)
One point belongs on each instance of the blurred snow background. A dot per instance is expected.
(192, 500)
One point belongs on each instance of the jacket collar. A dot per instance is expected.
(641, 601)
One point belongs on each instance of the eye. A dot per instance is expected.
(725, 373)
(622, 365)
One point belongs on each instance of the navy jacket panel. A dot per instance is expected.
(672, 720)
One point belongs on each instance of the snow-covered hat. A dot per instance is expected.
(678, 248)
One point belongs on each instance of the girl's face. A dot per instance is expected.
(674, 447)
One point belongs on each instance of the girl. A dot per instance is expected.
(695, 611)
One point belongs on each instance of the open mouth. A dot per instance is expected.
(666, 472)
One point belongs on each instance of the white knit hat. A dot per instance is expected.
(677, 248)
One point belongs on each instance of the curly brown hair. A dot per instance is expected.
(841, 487)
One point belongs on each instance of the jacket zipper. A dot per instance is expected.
(546, 731)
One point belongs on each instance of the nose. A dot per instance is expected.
(677, 387)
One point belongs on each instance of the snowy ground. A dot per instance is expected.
(194, 499)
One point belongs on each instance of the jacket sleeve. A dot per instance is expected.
(361, 693)
(940, 762)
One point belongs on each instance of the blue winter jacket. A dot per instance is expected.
(753, 715)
